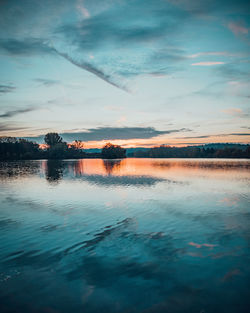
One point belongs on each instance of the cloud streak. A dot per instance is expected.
(25, 47)
(216, 53)
(7, 127)
(92, 69)
(47, 82)
(237, 112)
(238, 29)
(217, 135)
(207, 63)
(9, 114)
(6, 88)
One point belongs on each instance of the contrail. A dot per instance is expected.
(90, 68)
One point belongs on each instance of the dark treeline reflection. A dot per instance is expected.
(54, 170)
(18, 169)
(110, 165)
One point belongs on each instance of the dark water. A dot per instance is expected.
(138, 235)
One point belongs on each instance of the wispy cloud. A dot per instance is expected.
(47, 82)
(16, 112)
(234, 72)
(9, 127)
(216, 135)
(233, 111)
(207, 63)
(84, 12)
(237, 112)
(238, 28)
(25, 47)
(6, 88)
(216, 53)
(111, 79)
(207, 8)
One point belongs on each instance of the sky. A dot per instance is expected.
(138, 73)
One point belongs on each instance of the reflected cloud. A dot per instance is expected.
(198, 246)
(92, 243)
(229, 275)
(230, 201)
(8, 223)
(122, 180)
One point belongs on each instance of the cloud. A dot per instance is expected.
(147, 39)
(112, 133)
(111, 79)
(238, 29)
(82, 9)
(234, 72)
(7, 127)
(16, 112)
(209, 63)
(209, 8)
(217, 135)
(6, 88)
(25, 47)
(216, 53)
(233, 111)
(123, 46)
(239, 134)
(47, 82)
(237, 112)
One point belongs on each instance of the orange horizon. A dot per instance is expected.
(145, 143)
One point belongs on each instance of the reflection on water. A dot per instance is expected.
(133, 235)
(110, 165)
(54, 170)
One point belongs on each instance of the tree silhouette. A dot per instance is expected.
(77, 144)
(52, 139)
(110, 151)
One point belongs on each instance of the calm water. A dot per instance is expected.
(138, 235)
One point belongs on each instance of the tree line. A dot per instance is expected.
(12, 148)
(192, 152)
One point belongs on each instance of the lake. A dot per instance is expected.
(136, 235)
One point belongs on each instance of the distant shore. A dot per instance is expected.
(12, 148)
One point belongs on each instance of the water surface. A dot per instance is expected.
(137, 235)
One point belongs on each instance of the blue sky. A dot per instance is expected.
(134, 72)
